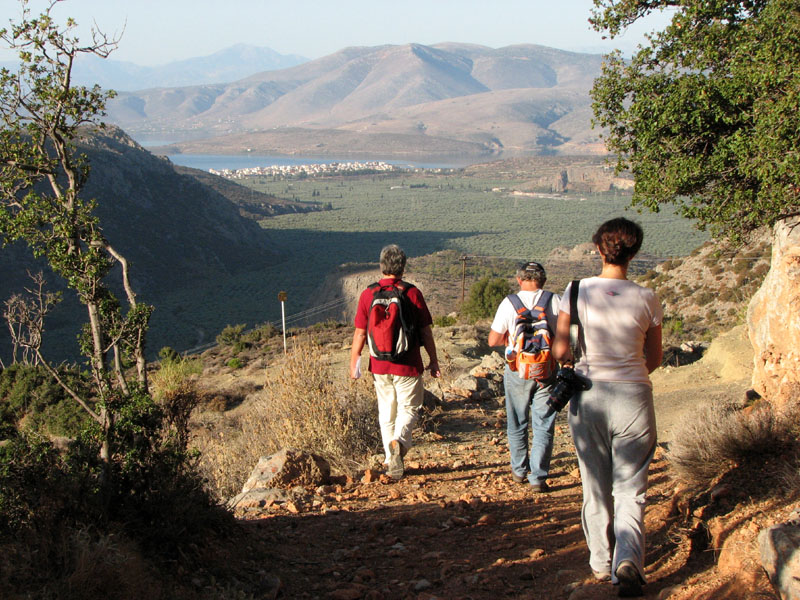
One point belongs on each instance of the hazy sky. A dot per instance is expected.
(161, 31)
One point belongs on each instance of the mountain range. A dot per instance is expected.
(449, 98)
(226, 65)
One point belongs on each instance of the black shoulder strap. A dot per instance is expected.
(575, 331)
(573, 302)
(404, 286)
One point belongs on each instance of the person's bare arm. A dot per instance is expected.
(430, 348)
(653, 352)
(359, 339)
(561, 349)
(498, 339)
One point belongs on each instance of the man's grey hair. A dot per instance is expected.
(393, 260)
(532, 271)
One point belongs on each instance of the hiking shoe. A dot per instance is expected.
(540, 488)
(602, 575)
(630, 584)
(518, 478)
(395, 470)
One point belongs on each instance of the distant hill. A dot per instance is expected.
(458, 98)
(224, 66)
(179, 229)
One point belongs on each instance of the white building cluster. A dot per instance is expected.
(314, 170)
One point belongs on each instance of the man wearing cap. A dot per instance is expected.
(526, 399)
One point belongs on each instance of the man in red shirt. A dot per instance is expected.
(398, 384)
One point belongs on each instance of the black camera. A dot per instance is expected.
(567, 383)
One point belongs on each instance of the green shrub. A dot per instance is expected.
(704, 297)
(235, 363)
(33, 484)
(484, 298)
(648, 276)
(172, 375)
(673, 325)
(32, 395)
(260, 334)
(168, 354)
(230, 335)
(444, 321)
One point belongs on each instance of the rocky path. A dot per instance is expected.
(457, 527)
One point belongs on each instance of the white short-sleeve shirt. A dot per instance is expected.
(505, 316)
(615, 315)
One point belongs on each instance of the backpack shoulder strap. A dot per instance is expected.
(544, 301)
(540, 310)
(404, 286)
(545, 298)
(516, 302)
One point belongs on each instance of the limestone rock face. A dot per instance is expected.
(773, 319)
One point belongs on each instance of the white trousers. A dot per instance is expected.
(399, 399)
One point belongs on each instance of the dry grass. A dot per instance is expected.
(718, 436)
(172, 375)
(305, 404)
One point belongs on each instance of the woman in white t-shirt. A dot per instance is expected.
(613, 422)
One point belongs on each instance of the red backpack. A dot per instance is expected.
(391, 330)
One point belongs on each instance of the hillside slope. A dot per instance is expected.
(175, 230)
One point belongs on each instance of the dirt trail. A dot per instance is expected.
(457, 527)
(723, 374)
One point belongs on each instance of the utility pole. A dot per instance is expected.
(463, 260)
(282, 297)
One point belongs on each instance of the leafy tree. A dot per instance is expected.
(41, 180)
(485, 296)
(706, 116)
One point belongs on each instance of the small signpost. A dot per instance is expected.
(282, 298)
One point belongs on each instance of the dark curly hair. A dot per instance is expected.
(618, 240)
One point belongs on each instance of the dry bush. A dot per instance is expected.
(718, 436)
(71, 564)
(305, 404)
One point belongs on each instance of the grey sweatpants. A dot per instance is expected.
(613, 425)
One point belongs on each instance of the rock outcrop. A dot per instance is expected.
(773, 319)
(780, 557)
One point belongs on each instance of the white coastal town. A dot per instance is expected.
(311, 170)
